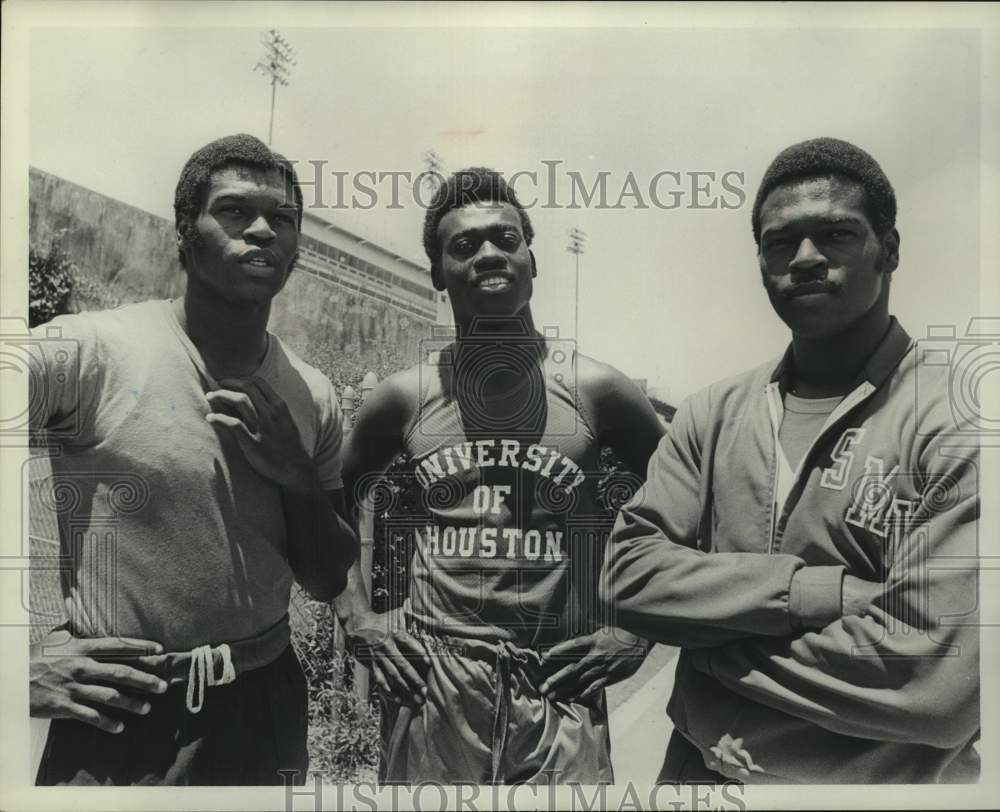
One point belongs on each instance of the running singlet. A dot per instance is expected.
(508, 539)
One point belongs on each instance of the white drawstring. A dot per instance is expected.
(202, 673)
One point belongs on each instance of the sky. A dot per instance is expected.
(672, 295)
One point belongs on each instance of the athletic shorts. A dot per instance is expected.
(243, 735)
(484, 722)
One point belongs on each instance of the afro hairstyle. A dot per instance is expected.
(476, 184)
(238, 150)
(831, 157)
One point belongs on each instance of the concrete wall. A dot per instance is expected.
(343, 332)
(124, 254)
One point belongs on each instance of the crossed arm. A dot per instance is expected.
(893, 661)
(907, 668)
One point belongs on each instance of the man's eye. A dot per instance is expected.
(462, 247)
(234, 210)
(511, 239)
(777, 243)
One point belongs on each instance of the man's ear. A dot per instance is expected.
(890, 242)
(181, 233)
(436, 279)
(534, 265)
(185, 232)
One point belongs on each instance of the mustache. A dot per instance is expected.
(806, 288)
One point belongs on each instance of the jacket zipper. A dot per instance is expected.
(776, 411)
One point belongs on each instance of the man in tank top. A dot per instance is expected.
(495, 667)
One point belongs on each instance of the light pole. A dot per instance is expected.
(433, 169)
(577, 238)
(278, 56)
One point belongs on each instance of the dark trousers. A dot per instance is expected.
(244, 734)
(683, 764)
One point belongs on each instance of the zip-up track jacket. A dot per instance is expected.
(773, 684)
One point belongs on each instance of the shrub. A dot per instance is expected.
(343, 731)
(92, 294)
(51, 274)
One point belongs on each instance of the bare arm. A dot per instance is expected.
(81, 678)
(322, 546)
(371, 446)
(625, 421)
(379, 640)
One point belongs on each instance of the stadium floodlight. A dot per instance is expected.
(278, 57)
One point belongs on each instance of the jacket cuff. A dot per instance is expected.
(814, 598)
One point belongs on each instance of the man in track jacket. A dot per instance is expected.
(808, 529)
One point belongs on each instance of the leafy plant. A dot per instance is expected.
(343, 730)
(343, 736)
(51, 275)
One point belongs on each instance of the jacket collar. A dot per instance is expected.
(880, 364)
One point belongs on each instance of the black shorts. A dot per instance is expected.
(244, 734)
(683, 764)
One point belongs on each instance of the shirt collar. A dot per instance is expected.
(877, 368)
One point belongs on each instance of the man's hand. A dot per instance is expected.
(732, 753)
(264, 428)
(75, 683)
(381, 642)
(600, 659)
(857, 596)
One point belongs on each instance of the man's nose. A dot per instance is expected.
(489, 256)
(808, 257)
(260, 230)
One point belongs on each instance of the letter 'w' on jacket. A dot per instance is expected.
(773, 684)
